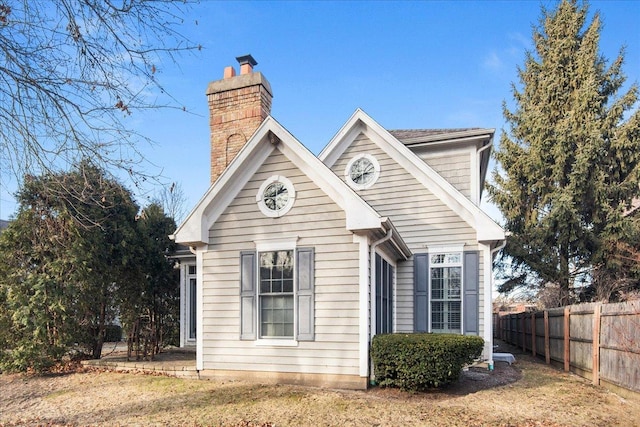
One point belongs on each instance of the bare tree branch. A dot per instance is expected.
(73, 71)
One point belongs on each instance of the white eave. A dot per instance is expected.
(194, 231)
(487, 230)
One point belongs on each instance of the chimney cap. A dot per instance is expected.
(246, 59)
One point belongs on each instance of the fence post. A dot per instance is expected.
(523, 325)
(567, 339)
(533, 333)
(547, 353)
(597, 310)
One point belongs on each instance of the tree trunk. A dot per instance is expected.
(99, 339)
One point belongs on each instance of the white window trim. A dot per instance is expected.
(284, 244)
(376, 175)
(277, 342)
(187, 299)
(290, 190)
(445, 248)
(435, 250)
(372, 307)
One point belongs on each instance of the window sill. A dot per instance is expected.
(277, 342)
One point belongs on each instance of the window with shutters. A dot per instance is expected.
(445, 278)
(446, 291)
(277, 294)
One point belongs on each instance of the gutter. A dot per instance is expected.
(451, 137)
(396, 239)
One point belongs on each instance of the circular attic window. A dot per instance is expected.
(362, 171)
(276, 196)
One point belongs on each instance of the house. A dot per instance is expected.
(300, 260)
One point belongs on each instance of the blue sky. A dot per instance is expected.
(429, 64)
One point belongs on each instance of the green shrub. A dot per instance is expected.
(421, 361)
(112, 333)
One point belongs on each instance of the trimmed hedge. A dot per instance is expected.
(422, 361)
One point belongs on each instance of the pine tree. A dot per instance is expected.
(568, 167)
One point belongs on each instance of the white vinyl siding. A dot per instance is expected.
(452, 165)
(420, 217)
(317, 222)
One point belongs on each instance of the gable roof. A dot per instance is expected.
(360, 216)
(487, 230)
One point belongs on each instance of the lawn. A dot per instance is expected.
(528, 393)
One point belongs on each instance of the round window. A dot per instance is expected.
(275, 196)
(362, 171)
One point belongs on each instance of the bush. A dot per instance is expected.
(112, 333)
(415, 362)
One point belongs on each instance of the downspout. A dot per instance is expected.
(479, 154)
(495, 250)
(372, 269)
(480, 150)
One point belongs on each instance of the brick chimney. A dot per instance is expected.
(237, 106)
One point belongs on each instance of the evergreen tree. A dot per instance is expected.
(62, 263)
(149, 306)
(569, 164)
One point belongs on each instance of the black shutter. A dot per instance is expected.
(248, 309)
(305, 293)
(421, 292)
(471, 284)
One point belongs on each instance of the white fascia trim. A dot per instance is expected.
(488, 302)
(199, 308)
(450, 137)
(440, 187)
(363, 303)
(342, 139)
(194, 230)
(360, 215)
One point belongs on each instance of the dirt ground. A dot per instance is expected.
(527, 393)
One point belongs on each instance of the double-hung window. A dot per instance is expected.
(445, 274)
(447, 290)
(275, 294)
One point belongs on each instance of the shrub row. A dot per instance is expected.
(421, 361)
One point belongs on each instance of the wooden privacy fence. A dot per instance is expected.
(597, 341)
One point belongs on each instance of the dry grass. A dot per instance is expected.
(541, 396)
